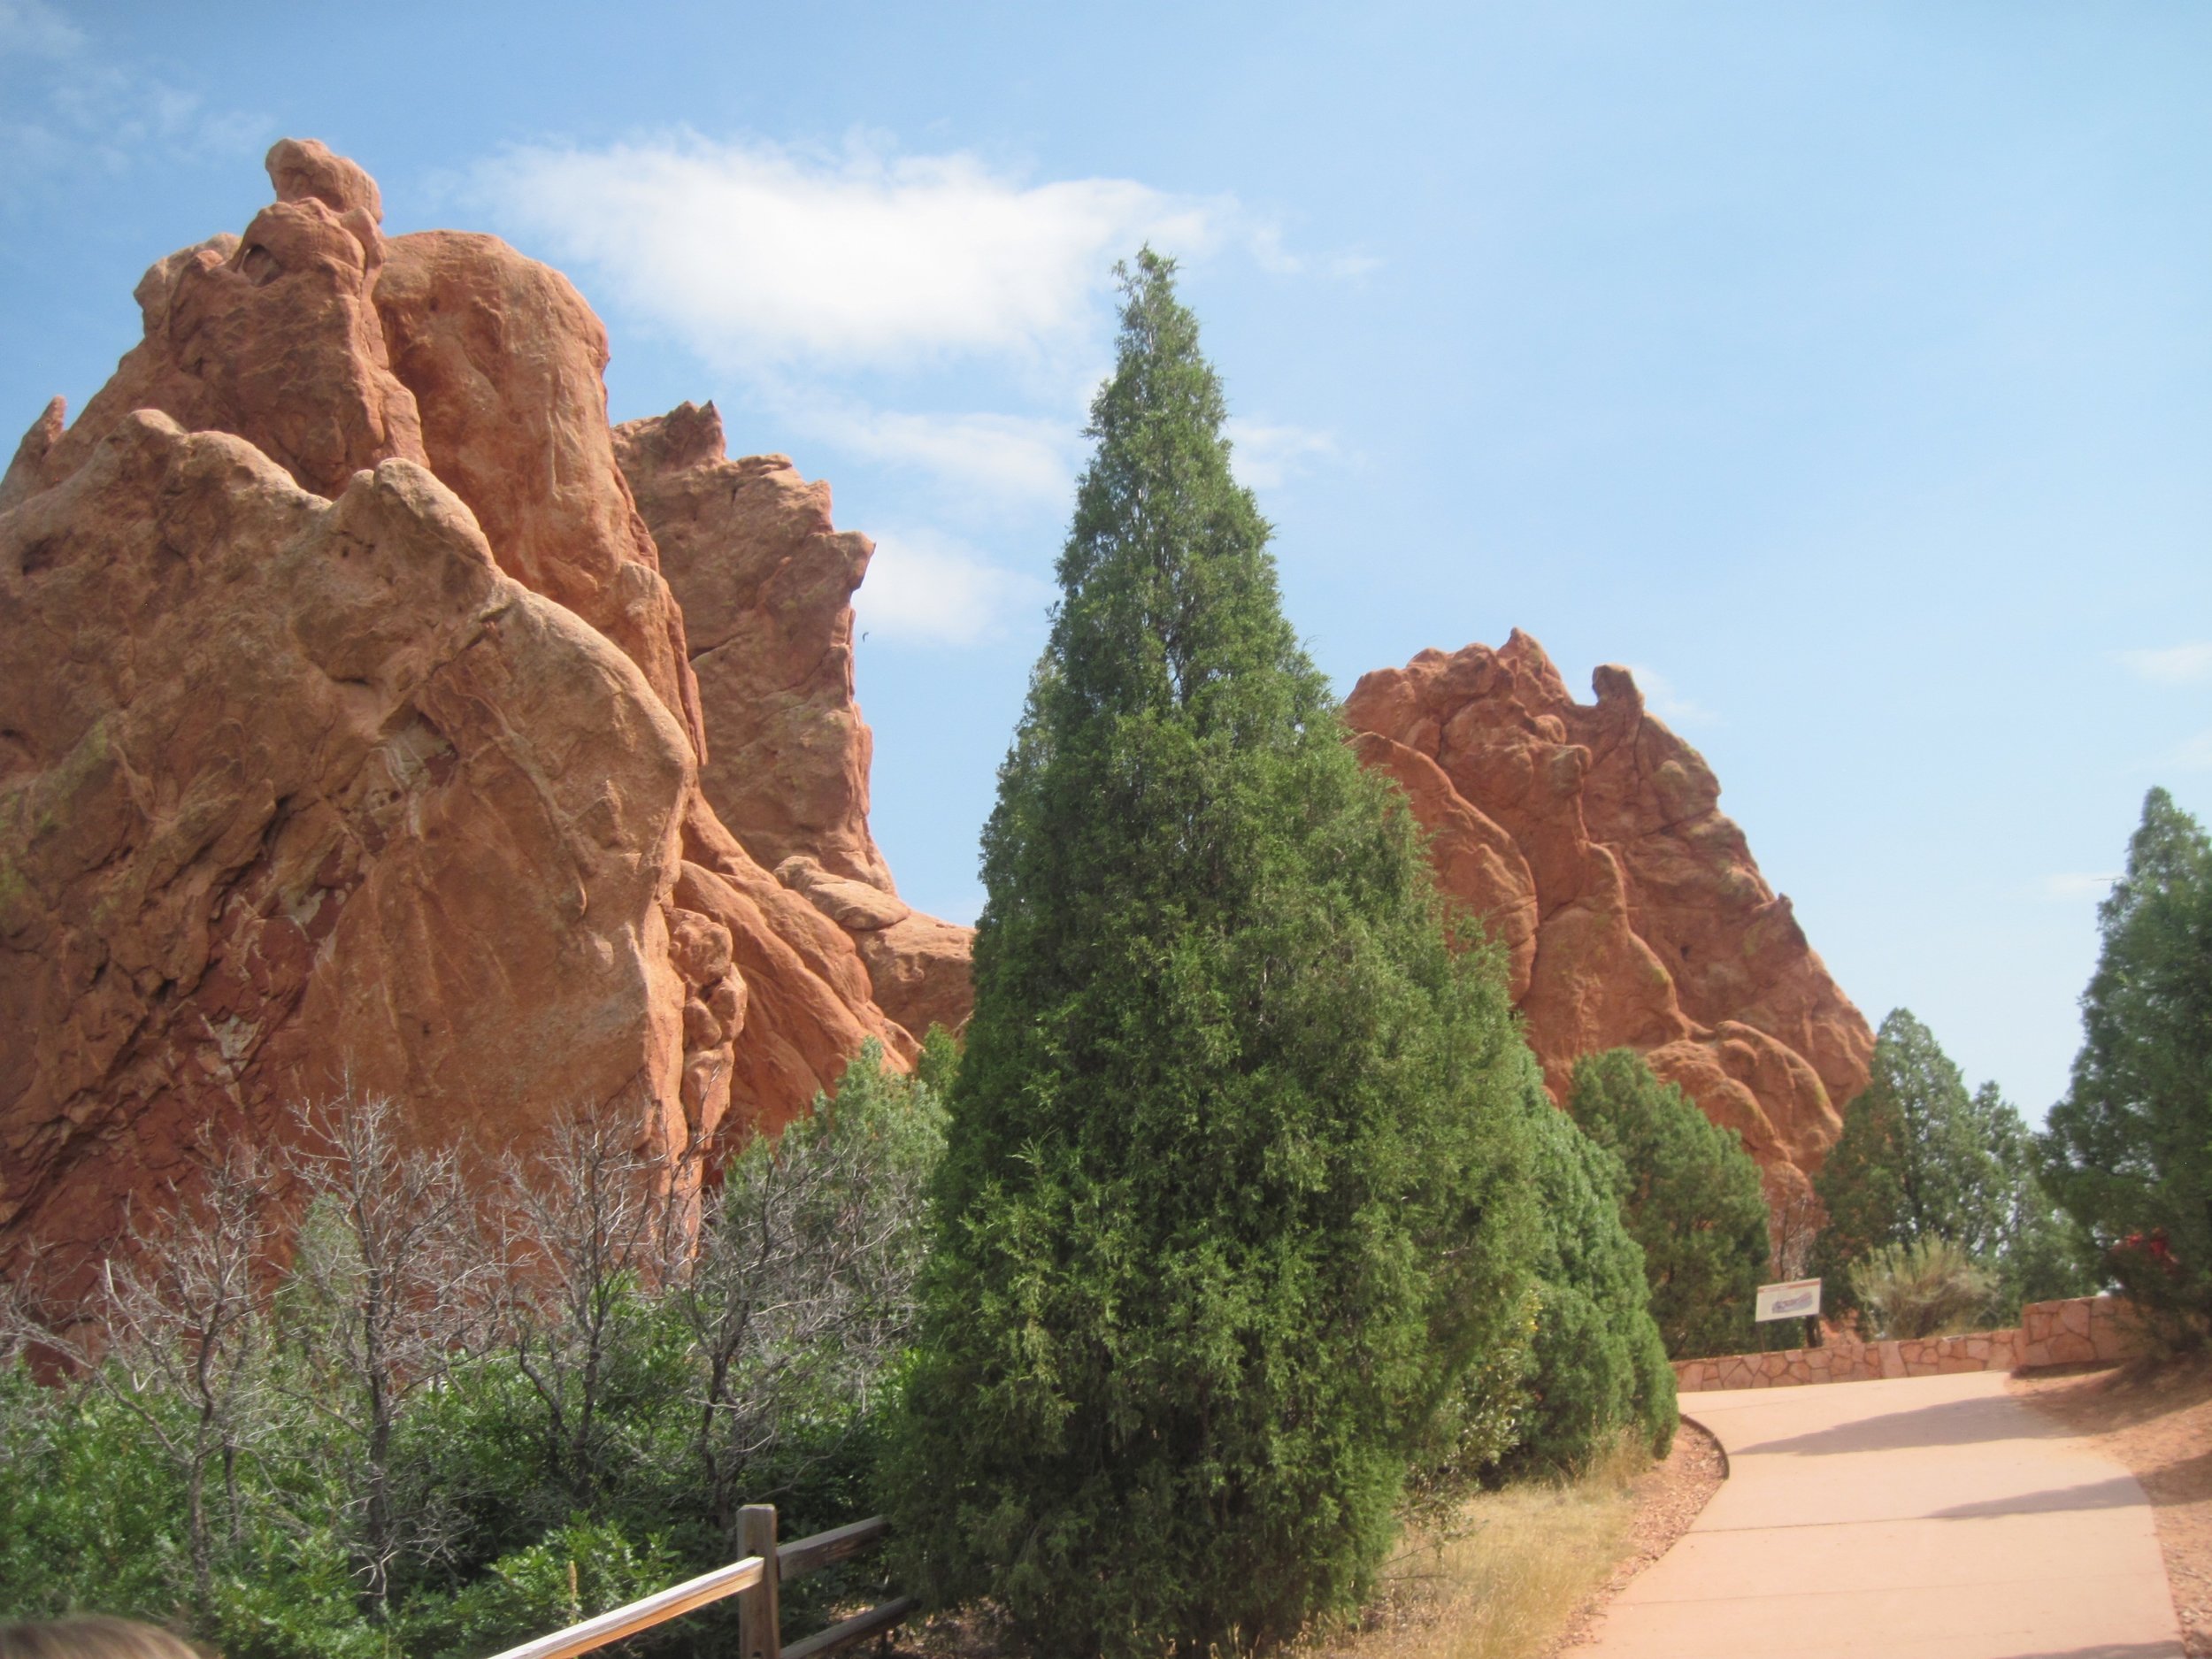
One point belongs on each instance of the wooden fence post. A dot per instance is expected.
(759, 1621)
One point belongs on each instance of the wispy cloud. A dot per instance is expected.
(1664, 699)
(760, 253)
(1265, 455)
(69, 106)
(2194, 754)
(2171, 666)
(831, 282)
(1024, 459)
(2070, 885)
(1264, 242)
(29, 28)
(930, 588)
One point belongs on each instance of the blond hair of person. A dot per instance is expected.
(92, 1639)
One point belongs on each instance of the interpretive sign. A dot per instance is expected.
(1795, 1299)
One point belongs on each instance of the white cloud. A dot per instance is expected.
(2195, 753)
(32, 29)
(1669, 705)
(929, 588)
(756, 253)
(1265, 455)
(2171, 666)
(1020, 458)
(816, 275)
(2072, 885)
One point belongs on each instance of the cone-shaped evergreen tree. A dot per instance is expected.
(1693, 1201)
(2129, 1151)
(1233, 1198)
(1919, 1158)
(1598, 1367)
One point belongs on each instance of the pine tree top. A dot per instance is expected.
(1169, 593)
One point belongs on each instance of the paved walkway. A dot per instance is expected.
(1930, 1516)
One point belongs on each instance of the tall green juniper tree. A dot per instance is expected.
(1599, 1366)
(2129, 1150)
(1691, 1198)
(1234, 1198)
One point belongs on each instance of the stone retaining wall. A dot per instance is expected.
(2084, 1330)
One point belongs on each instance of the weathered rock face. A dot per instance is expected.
(506, 361)
(918, 965)
(291, 794)
(766, 583)
(351, 735)
(237, 327)
(1589, 840)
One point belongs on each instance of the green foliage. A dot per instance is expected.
(1232, 1202)
(1859, 1189)
(1486, 1420)
(1599, 1364)
(2129, 1151)
(940, 1063)
(1690, 1199)
(2041, 1254)
(1920, 1158)
(531, 1591)
(613, 1418)
(1928, 1288)
(89, 1522)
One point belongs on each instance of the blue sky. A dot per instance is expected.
(1841, 368)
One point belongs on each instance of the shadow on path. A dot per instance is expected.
(2119, 1493)
(1948, 1423)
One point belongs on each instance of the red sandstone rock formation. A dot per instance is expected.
(1589, 840)
(353, 733)
(766, 583)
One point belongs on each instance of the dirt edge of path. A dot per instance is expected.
(1668, 1500)
(2156, 1416)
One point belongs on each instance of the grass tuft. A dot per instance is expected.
(1499, 1576)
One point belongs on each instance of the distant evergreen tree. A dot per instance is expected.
(1235, 1194)
(1859, 1189)
(2041, 1254)
(2129, 1151)
(1599, 1368)
(1691, 1200)
(1920, 1158)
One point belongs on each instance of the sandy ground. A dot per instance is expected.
(1668, 1499)
(2156, 1419)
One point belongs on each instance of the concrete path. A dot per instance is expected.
(1930, 1515)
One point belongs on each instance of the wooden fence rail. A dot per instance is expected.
(755, 1581)
(733, 1579)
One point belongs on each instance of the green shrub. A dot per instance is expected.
(576, 1395)
(1691, 1200)
(1486, 1420)
(1928, 1288)
(575, 1573)
(1921, 1158)
(90, 1512)
(1599, 1366)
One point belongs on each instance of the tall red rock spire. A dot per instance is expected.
(1589, 839)
(352, 737)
